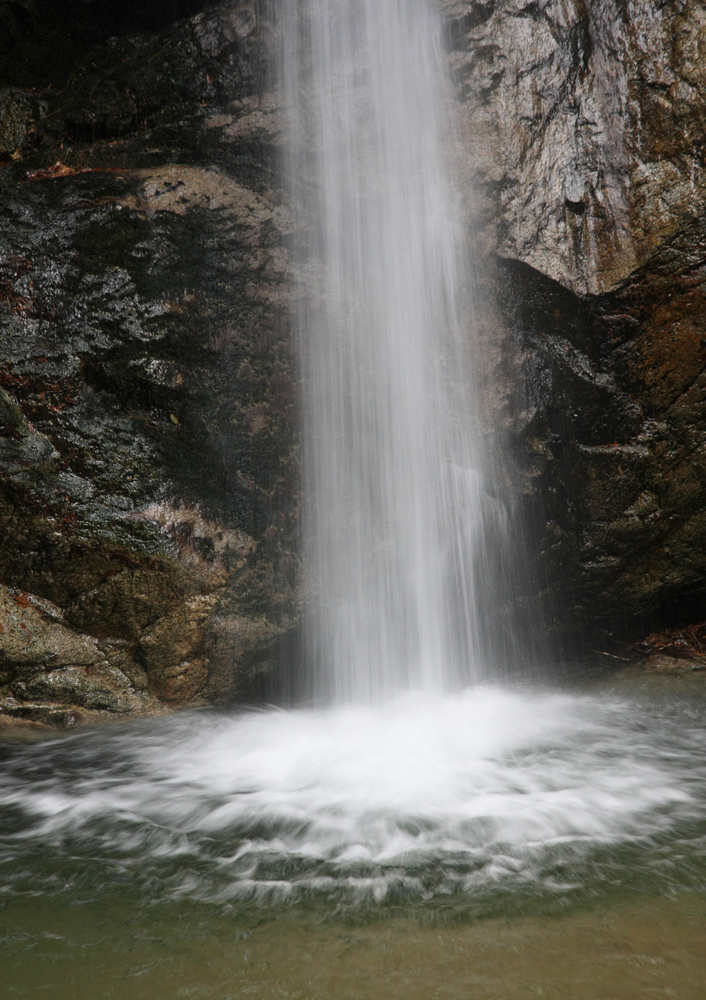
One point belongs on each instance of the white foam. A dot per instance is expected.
(480, 784)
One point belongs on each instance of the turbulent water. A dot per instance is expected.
(497, 798)
(118, 846)
(392, 498)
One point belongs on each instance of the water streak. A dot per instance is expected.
(391, 482)
(494, 796)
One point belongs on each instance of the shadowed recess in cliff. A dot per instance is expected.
(41, 40)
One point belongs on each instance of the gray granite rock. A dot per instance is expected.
(584, 152)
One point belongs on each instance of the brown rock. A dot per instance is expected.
(179, 683)
(147, 445)
(583, 131)
(31, 636)
(52, 674)
(661, 664)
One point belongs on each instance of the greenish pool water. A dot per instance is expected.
(501, 843)
(125, 950)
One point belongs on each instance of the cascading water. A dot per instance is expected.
(392, 503)
(485, 801)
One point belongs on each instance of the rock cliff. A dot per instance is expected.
(148, 454)
(148, 483)
(584, 140)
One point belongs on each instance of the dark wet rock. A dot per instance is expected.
(20, 113)
(584, 138)
(147, 473)
(148, 477)
(673, 666)
(41, 41)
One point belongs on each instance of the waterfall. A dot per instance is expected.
(390, 462)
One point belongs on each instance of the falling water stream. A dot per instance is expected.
(391, 464)
(415, 831)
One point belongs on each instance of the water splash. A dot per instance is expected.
(391, 468)
(489, 795)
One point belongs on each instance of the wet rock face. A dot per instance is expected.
(41, 41)
(586, 123)
(584, 135)
(147, 475)
(148, 493)
(51, 674)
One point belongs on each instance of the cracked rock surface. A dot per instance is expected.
(147, 475)
(584, 141)
(148, 457)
